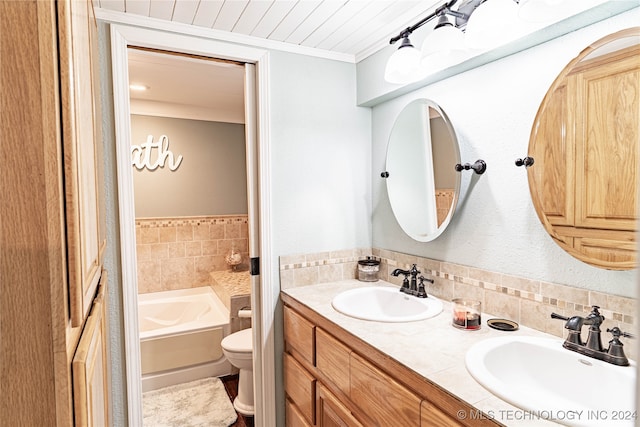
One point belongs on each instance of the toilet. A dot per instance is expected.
(238, 348)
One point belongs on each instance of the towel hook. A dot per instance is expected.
(480, 166)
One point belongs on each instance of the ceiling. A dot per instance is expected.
(350, 29)
(185, 87)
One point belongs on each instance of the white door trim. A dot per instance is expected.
(265, 293)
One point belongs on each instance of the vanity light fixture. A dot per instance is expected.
(476, 25)
(442, 43)
(493, 22)
(404, 65)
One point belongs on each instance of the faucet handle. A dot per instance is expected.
(615, 353)
(422, 293)
(557, 316)
(617, 333)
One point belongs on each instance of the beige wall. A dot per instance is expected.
(210, 180)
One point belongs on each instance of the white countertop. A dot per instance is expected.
(432, 348)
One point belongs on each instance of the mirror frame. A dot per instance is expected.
(630, 243)
(407, 228)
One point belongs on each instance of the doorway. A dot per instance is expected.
(263, 295)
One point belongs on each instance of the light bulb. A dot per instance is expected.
(492, 24)
(404, 65)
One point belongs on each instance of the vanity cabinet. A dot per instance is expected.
(343, 381)
(585, 145)
(52, 230)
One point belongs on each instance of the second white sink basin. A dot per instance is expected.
(385, 304)
(539, 375)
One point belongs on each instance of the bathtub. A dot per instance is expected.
(180, 336)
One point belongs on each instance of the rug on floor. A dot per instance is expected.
(200, 403)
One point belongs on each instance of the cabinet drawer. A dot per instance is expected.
(332, 359)
(293, 417)
(299, 336)
(300, 386)
(432, 416)
(331, 412)
(384, 400)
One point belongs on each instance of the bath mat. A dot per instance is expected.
(200, 403)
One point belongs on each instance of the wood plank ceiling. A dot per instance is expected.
(353, 29)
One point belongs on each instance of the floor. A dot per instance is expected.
(231, 385)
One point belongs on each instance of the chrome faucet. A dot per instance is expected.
(412, 287)
(593, 346)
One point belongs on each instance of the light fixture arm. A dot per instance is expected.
(444, 9)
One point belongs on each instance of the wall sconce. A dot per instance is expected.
(477, 24)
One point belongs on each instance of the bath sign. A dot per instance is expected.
(153, 154)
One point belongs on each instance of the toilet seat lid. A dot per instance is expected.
(241, 341)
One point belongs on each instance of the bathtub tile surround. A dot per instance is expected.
(526, 301)
(180, 252)
(234, 290)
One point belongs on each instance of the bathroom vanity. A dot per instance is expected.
(342, 371)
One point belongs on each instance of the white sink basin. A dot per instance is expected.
(385, 304)
(539, 375)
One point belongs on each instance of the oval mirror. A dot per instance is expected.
(584, 143)
(422, 182)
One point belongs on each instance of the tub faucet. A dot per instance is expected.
(593, 347)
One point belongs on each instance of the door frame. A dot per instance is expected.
(264, 293)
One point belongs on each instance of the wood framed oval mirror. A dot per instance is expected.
(422, 182)
(584, 143)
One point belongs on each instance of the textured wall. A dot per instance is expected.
(492, 109)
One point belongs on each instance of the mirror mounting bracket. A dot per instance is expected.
(479, 167)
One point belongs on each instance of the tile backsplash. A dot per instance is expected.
(178, 253)
(526, 301)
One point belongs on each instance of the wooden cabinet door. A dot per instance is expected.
(331, 412)
(607, 144)
(332, 359)
(432, 416)
(300, 387)
(383, 399)
(89, 370)
(552, 175)
(293, 416)
(80, 126)
(299, 336)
